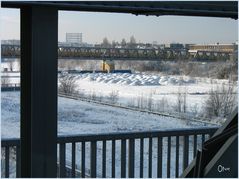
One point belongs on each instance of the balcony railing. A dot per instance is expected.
(131, 154)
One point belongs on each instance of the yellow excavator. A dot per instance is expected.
(108, 65)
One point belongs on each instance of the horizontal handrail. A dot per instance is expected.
(118, 135)
(133, 135)
(10, 142)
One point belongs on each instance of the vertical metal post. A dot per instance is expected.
(123, 158)
(63, 160)
(113, 159)
(203, 139)
(83, 160)
(39, 40)
(73, 160)
(185, 151)
(25, 98)
(7, 162)
(150, 158)
(160, 157)
(104, 159)
(93, 159)
(169, 157)
(194, 145)
(141, 175)
(177, 157)
(131, 158)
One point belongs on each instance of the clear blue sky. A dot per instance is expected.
(163, 29)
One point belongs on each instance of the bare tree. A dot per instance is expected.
(18, 64)
(5, 80)
(132, 40)
(11, 64)
(123, 43)
(221, 101)
(105, 42)
(114, 43)
(114, 96)
(150, 101)
(67, 84)
(140, 101)
(93, 95)
(163, 104)
(181, 103)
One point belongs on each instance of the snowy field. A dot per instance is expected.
(138, 89)
(78, 117)
(161, 91)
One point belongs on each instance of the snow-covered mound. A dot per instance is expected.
(136, 79)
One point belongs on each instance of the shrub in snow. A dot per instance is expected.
(150, 101)
(181, 103)
(114, 96)
(5, 81)
(162, 105)
(67, 84)
(221, 101)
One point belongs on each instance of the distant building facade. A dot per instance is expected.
(174, 46)
(226, 48)
(74, 38)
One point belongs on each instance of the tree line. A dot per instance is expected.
(132, 43)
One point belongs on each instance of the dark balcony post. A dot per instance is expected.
(39, 34)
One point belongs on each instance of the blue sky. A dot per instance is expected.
(163, 29)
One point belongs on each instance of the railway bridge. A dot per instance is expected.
(99, 53)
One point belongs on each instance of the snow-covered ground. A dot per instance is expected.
(163, 91)
(78, 117)
(137, 88)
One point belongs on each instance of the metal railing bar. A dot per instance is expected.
(83, 160)
(62, 160)
(113, 159)
(185, 151)
(123, 158)
(10, 142)
(203, 139)
(150, 158)
(131, 158)
(194, 145)
(160, 157)
(131, 135)
(93, 159)
(141, 174)
(177, 157)
(73, 160)
(169, 157)
(119, 136)
(104, 160)
(7, 162)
